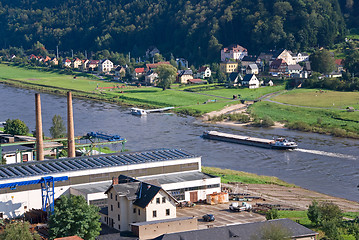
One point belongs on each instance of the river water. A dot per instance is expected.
(321, 163)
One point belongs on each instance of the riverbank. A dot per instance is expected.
(275, 191)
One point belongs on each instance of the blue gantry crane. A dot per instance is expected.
(105, 136)
(47, 189)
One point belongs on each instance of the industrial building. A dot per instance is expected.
(176, 170)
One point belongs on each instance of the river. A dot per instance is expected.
(321, 163)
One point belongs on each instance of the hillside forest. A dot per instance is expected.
(193, 29)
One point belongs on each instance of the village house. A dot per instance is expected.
(339, 65)
(252, 69)
(268, 82)
(105, 66)
(76, 63)
(152, 51)
(294, 69)
(301, 57)
(184, 75)
(250, 81)
(247, 60)
(151, 77)
(204, 72)
(228, 67)
(66, 62)
(286, 55)
(278, 67)
(92, 65)
(139, 72)
(235, 79)
(84, 65)
(182, 63)
(234, 51)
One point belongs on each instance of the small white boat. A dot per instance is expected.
(138, 111)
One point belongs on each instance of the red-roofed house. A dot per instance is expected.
(92, 65)
(67, 62)
(139, 71)
(233, 51)
(339, 65)
(76, 63)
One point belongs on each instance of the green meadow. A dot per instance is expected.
(319, 98)
(194, 103)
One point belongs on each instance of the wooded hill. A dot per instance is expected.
(192, 29)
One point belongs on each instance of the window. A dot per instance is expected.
(111, 195)
(168, 212)
(116, 197)
(111, 207)
(154, 213)
(119, 226)
(164, 200)
(25, 158)
(139, 212)
(118, 217)
(134, 210)
(158, 201)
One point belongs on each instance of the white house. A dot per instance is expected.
(251, 81)
(294, 69)
(233, 51)
(151, 77)
(301, 57)
(204, 72)
(132, 201)
(105, 66)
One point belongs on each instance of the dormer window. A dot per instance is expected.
(164, 200)
(158, 200)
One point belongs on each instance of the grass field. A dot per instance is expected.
(319, 98)
(228, 175)
(327, 119)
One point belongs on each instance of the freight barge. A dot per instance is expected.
(278, 143)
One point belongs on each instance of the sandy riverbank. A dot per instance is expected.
(237, 108)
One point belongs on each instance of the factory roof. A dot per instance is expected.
(35, 168)
(177, 178)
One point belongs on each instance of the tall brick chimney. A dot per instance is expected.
(70, 127)
(39, 140)
(114, 180)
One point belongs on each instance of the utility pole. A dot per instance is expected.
(57, 51)
(85, 54)
(72, 53)
(129, 57)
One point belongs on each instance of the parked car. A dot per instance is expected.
(208, 218)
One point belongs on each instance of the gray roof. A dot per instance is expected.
(249, 59)
(161, 221)
(252, 66)
(13, 149)
(294, 67)
(177, 178)
(34, 168)
(240, 231)
(93, 188)
(185, 72)
(247, 77)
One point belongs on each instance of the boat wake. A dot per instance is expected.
(329, 154)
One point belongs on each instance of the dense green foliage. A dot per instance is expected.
(166, 75)
(15, 127)
(73, 216)
(192, 29)
(18, 230)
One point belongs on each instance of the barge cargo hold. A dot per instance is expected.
(279, 143)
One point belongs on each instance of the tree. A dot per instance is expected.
(15, 127)
(351, 62)
(330, 212)
(272, 231)
(272, 214)
(322, 61)
(331, 230)
(314, 213)
(73, 216)
(18, 230)
(166, 75)
(58, 129)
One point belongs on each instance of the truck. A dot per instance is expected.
(240, 207)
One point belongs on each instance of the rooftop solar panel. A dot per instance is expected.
(33, 168)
